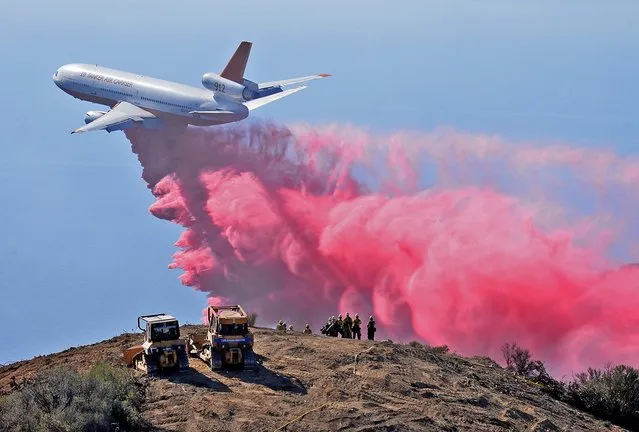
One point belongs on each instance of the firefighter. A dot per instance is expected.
(371, 328)
(290, 328)
(333, 329)
(339, 324)
(348, 327)
(328, 327)
(307, 329)
(357, 327)
(325, 329)
(281, 326)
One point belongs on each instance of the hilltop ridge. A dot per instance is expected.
(318, 383)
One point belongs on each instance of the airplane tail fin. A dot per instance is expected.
(234, 69)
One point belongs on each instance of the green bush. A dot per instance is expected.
(611, 393)
(62, 400)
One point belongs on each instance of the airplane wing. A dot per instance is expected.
(118, 116)
(256, 103)
(291, 81)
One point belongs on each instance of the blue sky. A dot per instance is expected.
(81, 257)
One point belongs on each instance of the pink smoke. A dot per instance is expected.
(276, 220)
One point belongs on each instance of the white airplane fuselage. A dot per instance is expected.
(169, 101)
(141, 101)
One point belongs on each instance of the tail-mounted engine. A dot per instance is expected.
(218, 84)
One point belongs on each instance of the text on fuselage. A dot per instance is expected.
(106, 79)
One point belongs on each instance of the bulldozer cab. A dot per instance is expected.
(228, 340)
(232, 329)
(228, 320)
(162, 348)
(159, 327)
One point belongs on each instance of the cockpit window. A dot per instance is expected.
(165, 331)
(232, 329)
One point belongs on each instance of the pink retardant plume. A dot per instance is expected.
(276, 220)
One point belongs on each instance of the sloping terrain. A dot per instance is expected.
(317, 383)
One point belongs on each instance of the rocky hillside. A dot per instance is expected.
(317, 383)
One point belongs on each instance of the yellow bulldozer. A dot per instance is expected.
(227, 341)
(162, 348)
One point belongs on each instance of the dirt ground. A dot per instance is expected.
(317, 383)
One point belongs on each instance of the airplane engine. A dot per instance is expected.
(93, 116)
(218, 84)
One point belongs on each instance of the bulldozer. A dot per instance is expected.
(162, 349)
(228, 342)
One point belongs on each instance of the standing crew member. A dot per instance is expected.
(307, 329)
(357, 327)
(281, 326)
(332, 327)
(371, 328)
(348, 327)
(339, 324)
(326, 328)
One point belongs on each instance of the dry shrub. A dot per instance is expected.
(60, 399)
(611, 393)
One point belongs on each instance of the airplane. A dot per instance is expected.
(137, 100)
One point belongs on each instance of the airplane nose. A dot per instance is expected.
(57, 77)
